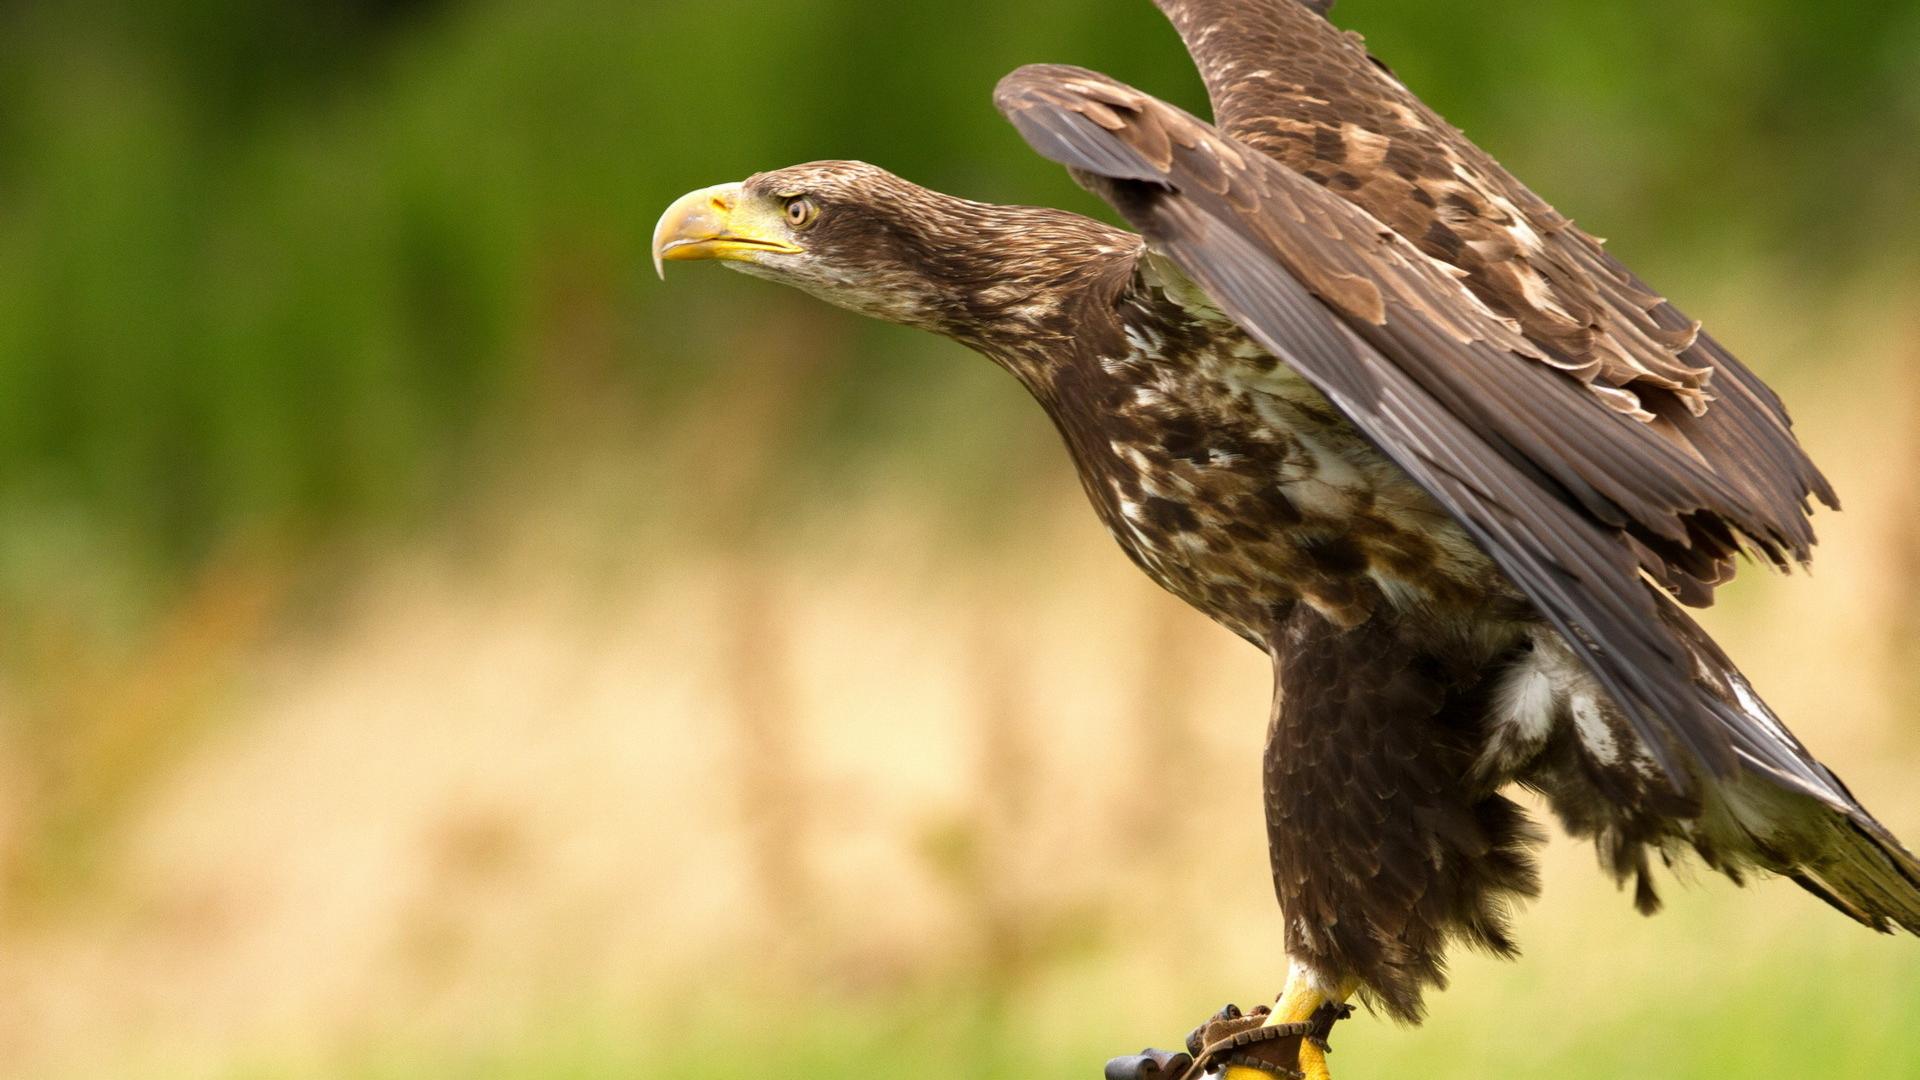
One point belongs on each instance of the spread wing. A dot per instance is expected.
(1285, 82)
(1574, 499)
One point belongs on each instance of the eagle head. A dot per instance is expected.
(860, 237)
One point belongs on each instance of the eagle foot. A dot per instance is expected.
(1323, 1019)
(1232, 1038)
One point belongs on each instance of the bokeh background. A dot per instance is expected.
(433, 647)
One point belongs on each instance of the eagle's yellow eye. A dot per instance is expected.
(801, 211)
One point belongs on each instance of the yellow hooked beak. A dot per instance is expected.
(720, 222)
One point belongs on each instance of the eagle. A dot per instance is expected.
(1355, 392)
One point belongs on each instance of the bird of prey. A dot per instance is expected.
(1359, 395)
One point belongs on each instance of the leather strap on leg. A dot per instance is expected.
(1246, 1040)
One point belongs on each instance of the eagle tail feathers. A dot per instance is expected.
(1867, 874)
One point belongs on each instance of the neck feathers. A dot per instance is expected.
(1036, 283)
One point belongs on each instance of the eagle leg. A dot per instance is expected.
(1258, 1045)
(1303, 1018)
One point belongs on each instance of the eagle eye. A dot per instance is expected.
(801, 211)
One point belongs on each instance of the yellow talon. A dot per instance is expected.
(1296, 1005)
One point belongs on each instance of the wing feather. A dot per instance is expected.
(1445, 386)
(1286, 83)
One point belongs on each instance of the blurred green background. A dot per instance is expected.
(433, 647)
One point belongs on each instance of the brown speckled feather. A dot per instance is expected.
(1285, 82)
(1572, 499)
(1371, 754)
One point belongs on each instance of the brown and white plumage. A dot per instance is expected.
(1360, 396)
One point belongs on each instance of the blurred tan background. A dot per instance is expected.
(432, 647)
